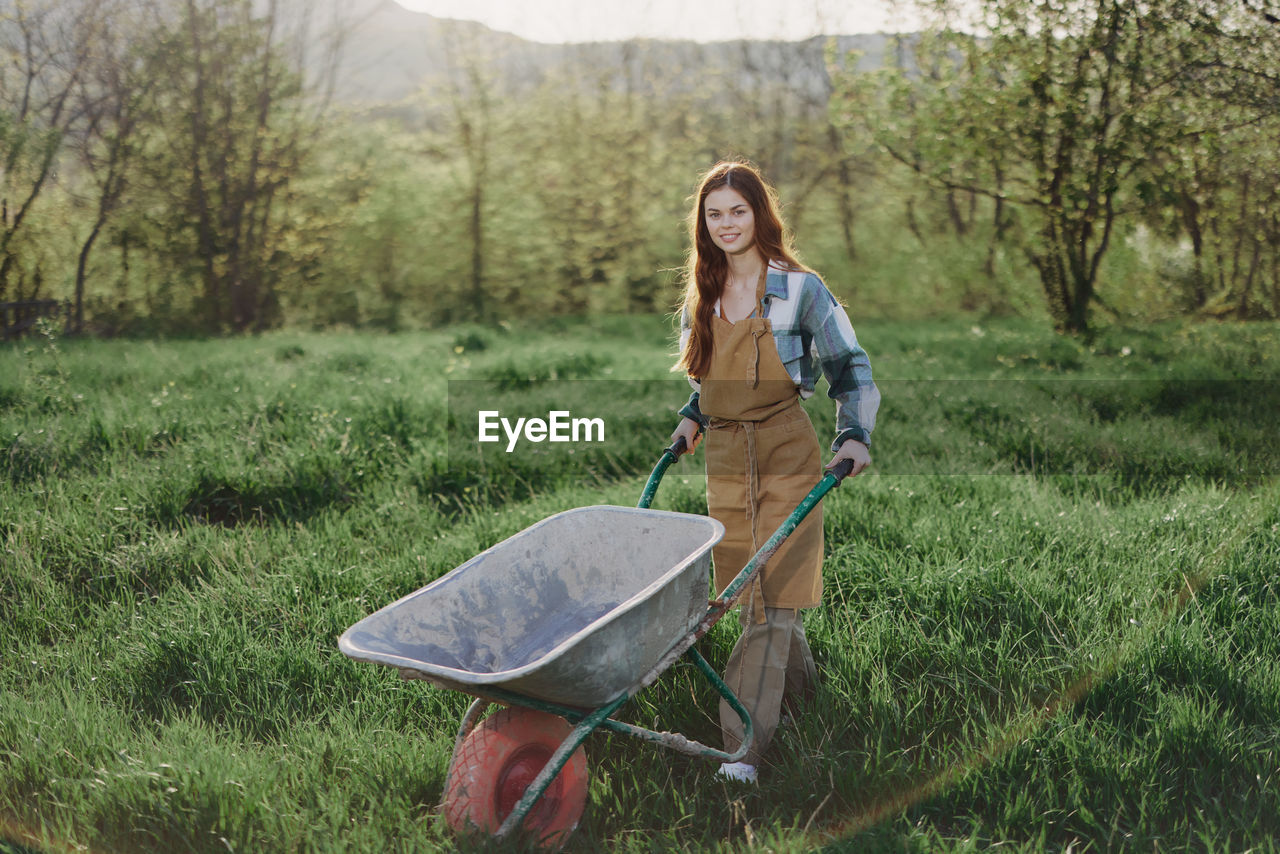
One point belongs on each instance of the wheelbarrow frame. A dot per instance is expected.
(585, 722)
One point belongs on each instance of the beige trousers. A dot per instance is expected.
(770, 660)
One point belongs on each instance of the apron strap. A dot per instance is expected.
(758, 329)
(756, 603)
(753, 372)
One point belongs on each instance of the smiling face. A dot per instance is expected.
(730, 221)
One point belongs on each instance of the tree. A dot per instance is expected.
(47, 46)
(111, 97)
(590, 159)
(233, 121)
(1053, 106)
(1220, 186)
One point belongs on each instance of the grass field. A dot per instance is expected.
(1052, 613)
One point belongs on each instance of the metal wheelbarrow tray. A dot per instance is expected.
(576, 609)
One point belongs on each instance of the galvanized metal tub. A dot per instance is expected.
(575, 609)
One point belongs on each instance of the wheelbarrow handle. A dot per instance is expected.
(669, 456)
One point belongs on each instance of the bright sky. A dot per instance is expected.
(701, 20)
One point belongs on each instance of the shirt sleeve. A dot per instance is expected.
(693, 410)
(844, 363)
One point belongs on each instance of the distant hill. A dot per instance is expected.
(392, 52)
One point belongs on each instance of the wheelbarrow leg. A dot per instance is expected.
(730, 698)
(554, 766)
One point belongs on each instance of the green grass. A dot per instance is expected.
(1051, 620)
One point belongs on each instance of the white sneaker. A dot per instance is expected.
(739, 772)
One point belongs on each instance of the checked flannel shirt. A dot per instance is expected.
(811, 329)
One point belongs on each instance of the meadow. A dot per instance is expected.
(1052, 612)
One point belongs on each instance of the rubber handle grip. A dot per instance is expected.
(841, 469)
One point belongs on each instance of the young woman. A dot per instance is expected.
(752, 323)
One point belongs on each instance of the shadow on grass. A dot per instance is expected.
(1148, 435)
(16, 848)
(230, 504)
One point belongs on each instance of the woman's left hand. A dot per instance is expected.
(852, 449)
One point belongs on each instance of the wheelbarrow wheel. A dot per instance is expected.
(498, 760)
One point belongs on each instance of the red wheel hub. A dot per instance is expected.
(517, 775)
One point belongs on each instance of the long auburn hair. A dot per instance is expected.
(707, 267)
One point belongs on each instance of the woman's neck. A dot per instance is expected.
(745, 268)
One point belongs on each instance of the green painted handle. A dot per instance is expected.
(669, 456)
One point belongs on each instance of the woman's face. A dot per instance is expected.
(730, 220)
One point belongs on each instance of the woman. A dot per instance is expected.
(752, 322)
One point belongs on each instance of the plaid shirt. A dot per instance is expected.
(810, 328)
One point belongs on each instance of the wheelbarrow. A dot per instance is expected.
(562, 624)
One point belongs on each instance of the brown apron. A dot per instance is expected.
(763, 457)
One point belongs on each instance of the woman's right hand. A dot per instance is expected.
(692, 433)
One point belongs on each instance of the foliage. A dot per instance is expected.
(1075, 112)
(46, 53)
(232, 125)
(1110, 154)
